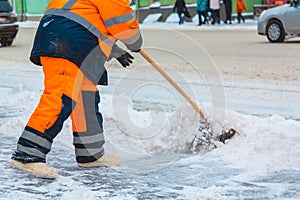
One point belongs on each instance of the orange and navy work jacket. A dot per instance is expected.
(84, 32)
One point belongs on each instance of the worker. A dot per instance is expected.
(73, 41)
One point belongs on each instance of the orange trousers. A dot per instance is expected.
(62, 77)
(67, 92)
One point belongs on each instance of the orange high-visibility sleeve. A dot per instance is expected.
(120, 22)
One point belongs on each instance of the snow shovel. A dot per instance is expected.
(168, 78)
(205, 128)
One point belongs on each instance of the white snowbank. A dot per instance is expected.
(28, 24)
(263, 144)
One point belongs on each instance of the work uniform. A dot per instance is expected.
(72, 43)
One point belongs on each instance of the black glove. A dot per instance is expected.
(125, 59)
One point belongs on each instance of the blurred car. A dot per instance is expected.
(8, 26)
(280, 23)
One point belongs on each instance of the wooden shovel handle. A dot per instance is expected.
(193, 104)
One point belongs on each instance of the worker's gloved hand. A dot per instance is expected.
(125, 59)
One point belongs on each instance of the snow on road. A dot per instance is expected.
(261, 162)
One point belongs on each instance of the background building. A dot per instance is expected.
(29, 8)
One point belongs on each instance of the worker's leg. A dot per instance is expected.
(87, 123)
(61, 88)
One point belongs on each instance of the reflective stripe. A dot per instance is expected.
(80, 20)
(88, 139)
(69, 4)
(31, 151)
(84, 134)
(119, 19)
(88, 152)
(133, 38)
(36, 139)
(136, 45)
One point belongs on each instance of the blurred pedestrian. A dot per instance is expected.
(228, 10)
(210, 12)
(181, 8)
(202, 11)
(240, 8)
(215, 7)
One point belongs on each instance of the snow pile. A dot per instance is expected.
(263, 144)
(146, 133)
(172, 23)
(28, 24)
(152, 18)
